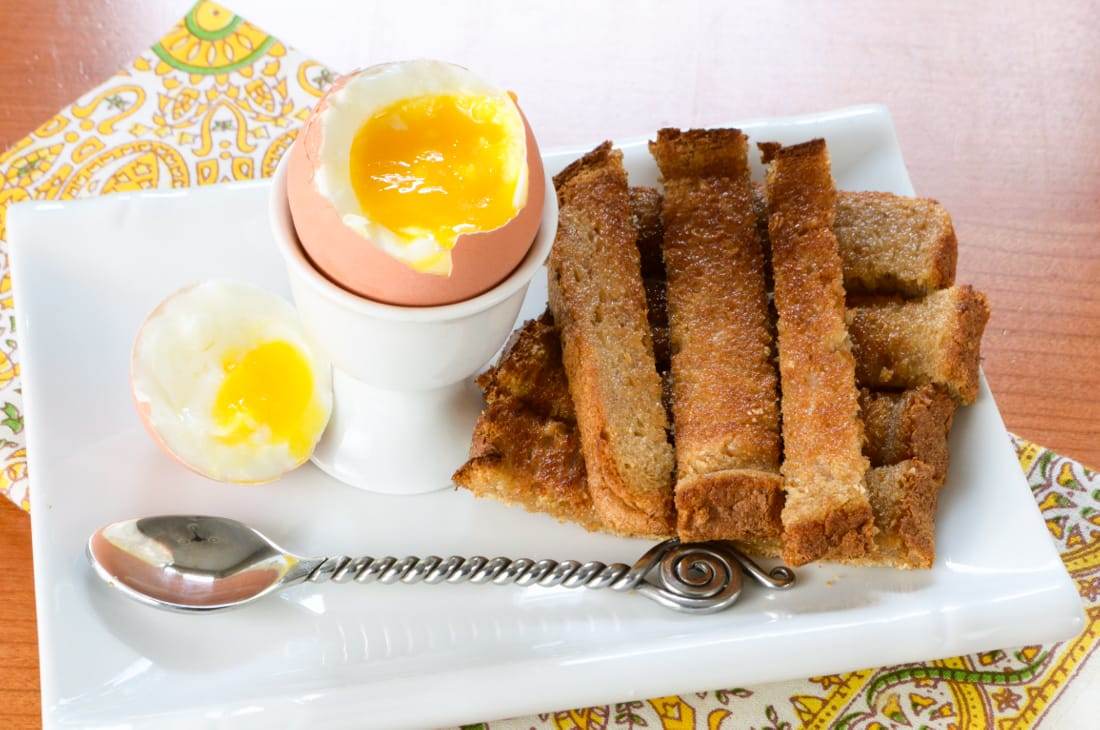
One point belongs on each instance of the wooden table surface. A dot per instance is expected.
(996, 105)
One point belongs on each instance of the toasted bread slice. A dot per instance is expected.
(530, 370)
(894, 244)
(598, 301)
(937, 339)
(525, 447)
(904, 497)
(827, 512)
(907, 424)
(725, 407)
(889, 244)
(520, 456)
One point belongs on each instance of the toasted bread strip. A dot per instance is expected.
(530, 370)
(907, 424)
(598, 301)
(903, 344)
(525, 447)
(520, 456)
(889, 244)
(904, 497)
(827, 513)
(724, 403)
(894, 244)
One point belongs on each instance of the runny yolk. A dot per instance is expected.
(439, 165)
(268, 387)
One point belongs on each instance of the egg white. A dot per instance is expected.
(177, 371)
(372, 90)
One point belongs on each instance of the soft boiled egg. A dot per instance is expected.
(416, 183)
(227, 382)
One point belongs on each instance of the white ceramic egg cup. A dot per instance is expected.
(404, 401)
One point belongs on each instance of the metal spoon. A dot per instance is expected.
(200, 564)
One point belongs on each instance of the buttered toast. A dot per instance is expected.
(724, 400)
(598, 301)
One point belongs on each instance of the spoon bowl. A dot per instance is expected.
(191, 563)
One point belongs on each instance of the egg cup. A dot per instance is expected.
(404, 402)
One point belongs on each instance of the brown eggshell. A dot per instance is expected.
(479, 261)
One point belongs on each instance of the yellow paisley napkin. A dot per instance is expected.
(217, 99)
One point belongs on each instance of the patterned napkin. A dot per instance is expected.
(217, 100)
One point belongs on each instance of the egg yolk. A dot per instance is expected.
(268, 387)
(439, 166)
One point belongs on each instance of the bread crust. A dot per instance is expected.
(827, 512)
(521, 457)
(598, 301)
(732, 504)
(725, 405)
(907, 343)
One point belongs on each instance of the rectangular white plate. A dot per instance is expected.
(335, 656)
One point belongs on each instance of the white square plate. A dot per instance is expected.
(334, 656)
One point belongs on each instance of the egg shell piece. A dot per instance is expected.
(480, 261)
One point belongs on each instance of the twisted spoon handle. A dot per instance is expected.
(694, 577)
